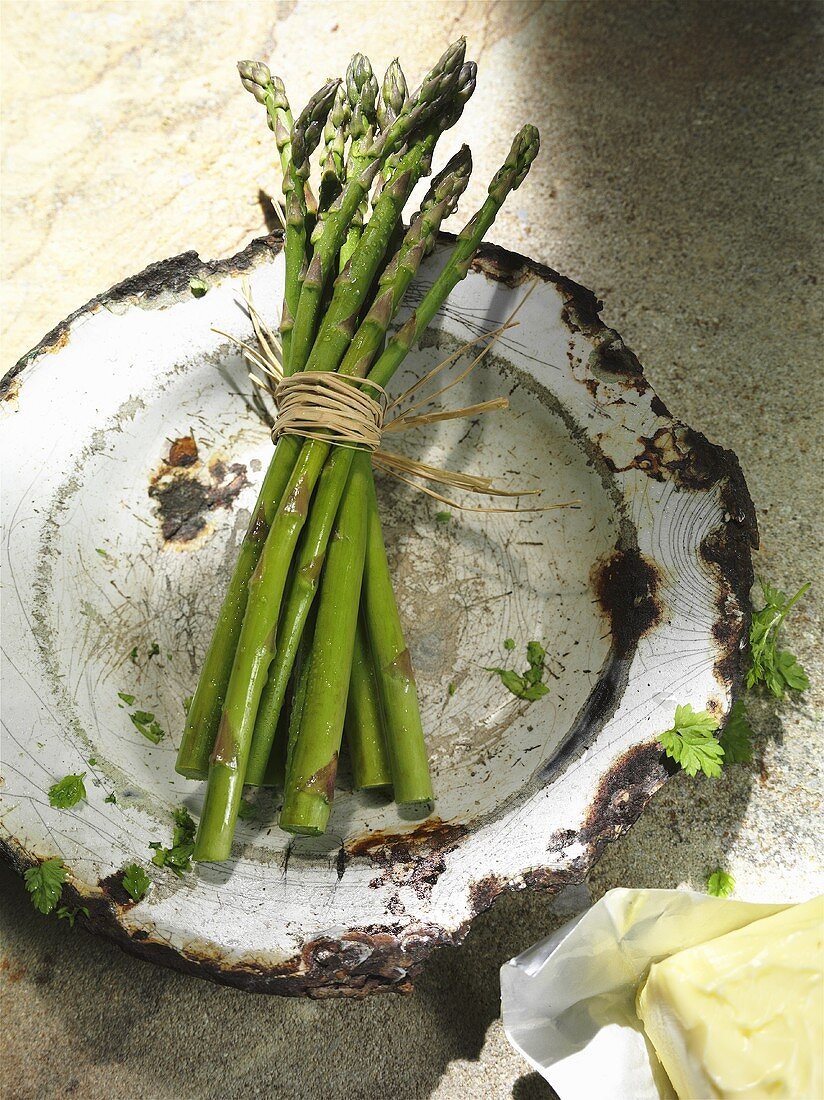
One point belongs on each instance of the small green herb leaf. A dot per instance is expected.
(736, 737)
(133, 655)
(144, 721)
(451, 688)
(64, 913)
(135, 881)
(443, 517)
(509, 643)
(692, 743)
(68, 792)
(111, 798)
(127, 699)
(776, 670)
(720, 884)
(530, 685)
(178, 858)
(92, 761)
(154, 649)
(198, 287)
(45, 884)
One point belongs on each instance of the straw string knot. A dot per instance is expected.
(335, 408)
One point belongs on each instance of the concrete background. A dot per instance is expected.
(680, 181)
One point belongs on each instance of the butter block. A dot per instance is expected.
(743, 1015)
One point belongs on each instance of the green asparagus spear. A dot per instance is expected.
(508, 178)
(312, 763)
(295, 142)
(332, 164)
(405, 743)
(364, 727)
(394, 97)
(362, 89)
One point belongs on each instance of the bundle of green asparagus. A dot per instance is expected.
(308, 642)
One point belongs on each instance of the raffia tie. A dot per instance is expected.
(331, 407)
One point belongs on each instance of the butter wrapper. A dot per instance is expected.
(568, 1003)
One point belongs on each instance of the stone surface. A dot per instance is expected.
(678, 180)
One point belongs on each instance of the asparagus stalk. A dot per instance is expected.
(440, 200)
(332, 165)
(203, 717)
(295, 142)
(434, 96)
(363, 725)
(394, 98)
(405, 744)
(362, 89)
(509, 177)
(313, 759)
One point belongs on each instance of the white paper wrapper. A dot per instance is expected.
(569, 1002)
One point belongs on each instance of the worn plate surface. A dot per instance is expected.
(131, 456)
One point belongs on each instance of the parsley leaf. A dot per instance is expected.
(67, 792)
(127, 699)
(692, 743)
(443, 517)
(178, 858)
(530, 685)
(45, 884)
(509, 644)
(64, 913)
(451, 688)
(776, 669)
(736, 737)
(111, 798)
(135, 881)
(198, 287)
(133, 655)
(144, 721)
(720, 884)
(153, 650)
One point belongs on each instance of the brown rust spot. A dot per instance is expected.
(434, 834)
(484, 892)
(185, 494)
(414, 859)
(12, 393)
(323, 780)
(627, 585)
(611, 360)
(677, 453)
(183, 451)
(623, 792)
